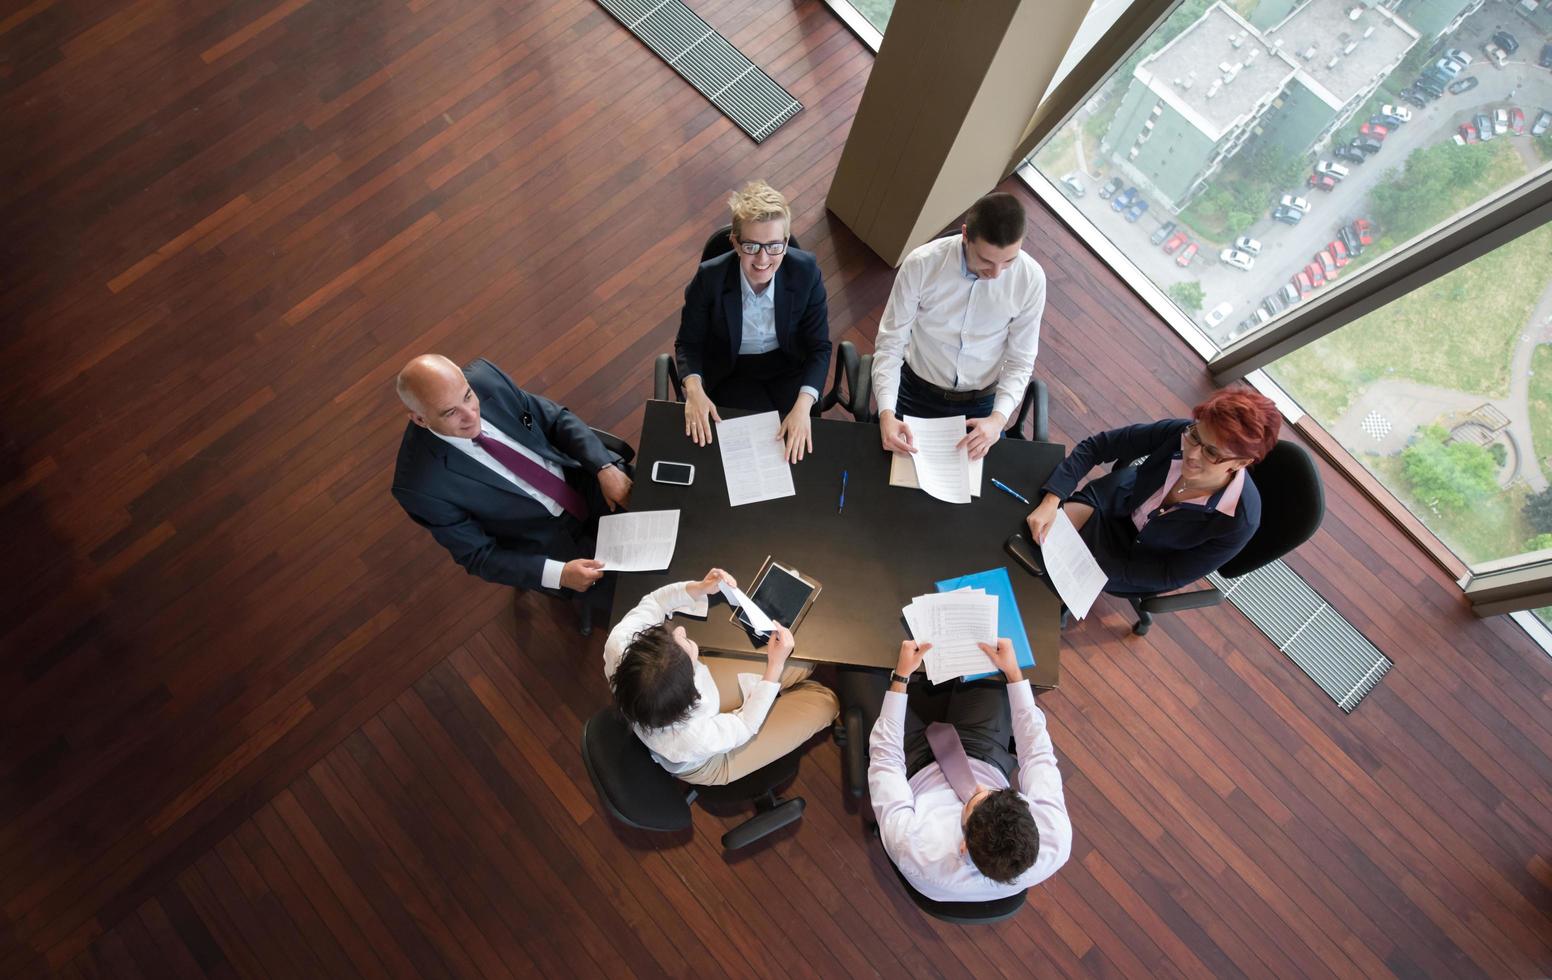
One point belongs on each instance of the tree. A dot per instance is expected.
(1188, 295)
(1409, 202)
(1538, 511)
(1448, 475)
(1540, 542)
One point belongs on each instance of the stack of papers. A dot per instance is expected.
(942, 466)
(642, 541)
(954, 623)
(1071, 566)
(902, 473)
(754, 459)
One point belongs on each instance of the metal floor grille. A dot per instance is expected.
(1313, 635)
(706, 60)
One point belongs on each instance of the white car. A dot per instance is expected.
(1248, 245)
(1496, 54)
(1500, 121)
(1401, 112)
(1336, 171)
(1239, 260)
(1299, 204)
(1458, 139)
(1458, 55)
(1073, 184)
(1218, 314)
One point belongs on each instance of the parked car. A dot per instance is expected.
(1136, 210)
(1373, 131)
(1496, 54)
(1299, 204)
(1124, 200)
(1273, 305)
(1302, 282)
(1517, 120)
(1338, 250)
(1349, 153)
(1350, 240)
(1542, 124)
(1111, 186)
(1328, 264)
(1430, 88)
(1458, 56)
(1412, 97)
(1387, 120)
(1333, 170)
(1073, 184)
(1247, 245)
(1364, 228)
(1217, 314)
(1448, 67)
(1322, 182)
(1458, 140)
(1186, 255)
(1468, 133)
(1500, 121)
(1400, 112)
(1317, 276)
(1506, 41)
(1239, 260)
(1176, 240)
(1434, 80)
(1463, 84)
(1484, 126)
(1163, 232)
(1366, 144)
(1287, 215)
(1290, 294)
(1245, 326)
(1545, 60)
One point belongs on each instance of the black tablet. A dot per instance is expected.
(784, 594)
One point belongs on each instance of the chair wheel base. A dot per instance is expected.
(1142, 627)
(764, 823)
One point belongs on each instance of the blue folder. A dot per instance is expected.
(1009, 623)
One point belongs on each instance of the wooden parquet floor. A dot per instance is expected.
(255, 723)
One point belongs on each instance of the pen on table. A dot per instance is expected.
(842, 504)
(1008, 490)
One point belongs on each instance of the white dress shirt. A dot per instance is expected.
(708, 730)
(550, 577)
(957, 330)
(919, 820)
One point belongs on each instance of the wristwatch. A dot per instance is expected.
(895, 678)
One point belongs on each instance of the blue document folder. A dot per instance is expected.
(1009, 622)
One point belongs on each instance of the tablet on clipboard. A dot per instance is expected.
(785, 594)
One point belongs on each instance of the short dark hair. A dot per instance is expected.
(996, 219)
(654, 683)
(1001, 836)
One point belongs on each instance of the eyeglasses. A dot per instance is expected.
(753, 248)
(1213, 453)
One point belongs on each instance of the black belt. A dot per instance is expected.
(948, 394)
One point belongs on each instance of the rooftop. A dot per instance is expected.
(1342, 45)
(1216, 71)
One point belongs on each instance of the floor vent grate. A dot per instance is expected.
(706, 60)
(1313, 635)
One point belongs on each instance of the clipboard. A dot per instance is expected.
(787, 597)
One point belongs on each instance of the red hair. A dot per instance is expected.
(1246, 422)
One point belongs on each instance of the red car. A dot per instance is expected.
(1516, 121)
(1338, 250)
(1323, 183)
(1317, 278)
(1175, 241)
(1468, 132)
(1327, 264)
(1185, 257)
(1373, 129)
(1301, 281)
(1364, 229)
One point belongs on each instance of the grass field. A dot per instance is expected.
(1494, 529)
(1540, 398)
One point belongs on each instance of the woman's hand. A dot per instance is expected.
(1042, 517)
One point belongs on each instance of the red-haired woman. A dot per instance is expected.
(1183, 511)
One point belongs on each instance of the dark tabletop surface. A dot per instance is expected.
(888, 545)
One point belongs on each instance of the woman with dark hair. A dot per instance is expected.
(1184, 510)
(691, 712)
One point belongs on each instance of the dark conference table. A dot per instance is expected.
(888, 545)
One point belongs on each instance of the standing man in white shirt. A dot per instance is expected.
(947, 811)
(692, 712)
(961, 328)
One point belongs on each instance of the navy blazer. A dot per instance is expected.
(493, 529)
(712, 324)
(1173, 549)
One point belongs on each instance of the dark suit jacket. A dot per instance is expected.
(1173, 549)
(712, 324)
(492, 528)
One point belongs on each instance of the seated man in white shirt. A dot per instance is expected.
(960, 330)
(690, 712)
(947, 812)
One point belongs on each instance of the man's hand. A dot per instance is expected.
(777, 649)
(982, 434)
(797, 429)
(1003, 657)
(1042, 517)
(911, 654)
(710, 583)
(579, 574)
(895, 433)
(615, 486)
(697, 408)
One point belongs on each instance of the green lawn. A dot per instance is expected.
(1486, 532)
(1540, 398)
(1457, 332)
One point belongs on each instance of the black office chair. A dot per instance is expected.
(965, 913)
(639, 793)
(627, 454)
(1036, 406)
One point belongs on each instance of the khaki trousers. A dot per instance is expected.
(803, 708)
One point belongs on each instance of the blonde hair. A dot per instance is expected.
(759, 201)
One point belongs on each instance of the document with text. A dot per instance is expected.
(955, 623)
(641, 541)
(902, 473)
(1071, 566)
(754, 460)
(942, 464)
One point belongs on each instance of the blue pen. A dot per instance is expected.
(842, 505)
(1008, 490)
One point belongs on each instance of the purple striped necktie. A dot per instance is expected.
(950, 753)
(536, 476)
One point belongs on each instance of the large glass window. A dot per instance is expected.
(1251, 153)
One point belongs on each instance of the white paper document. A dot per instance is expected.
(736, 598)
(902, 473)
(1071, 567)
(955, 623)
(642, 541)
(754, 459)
(942, 465)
